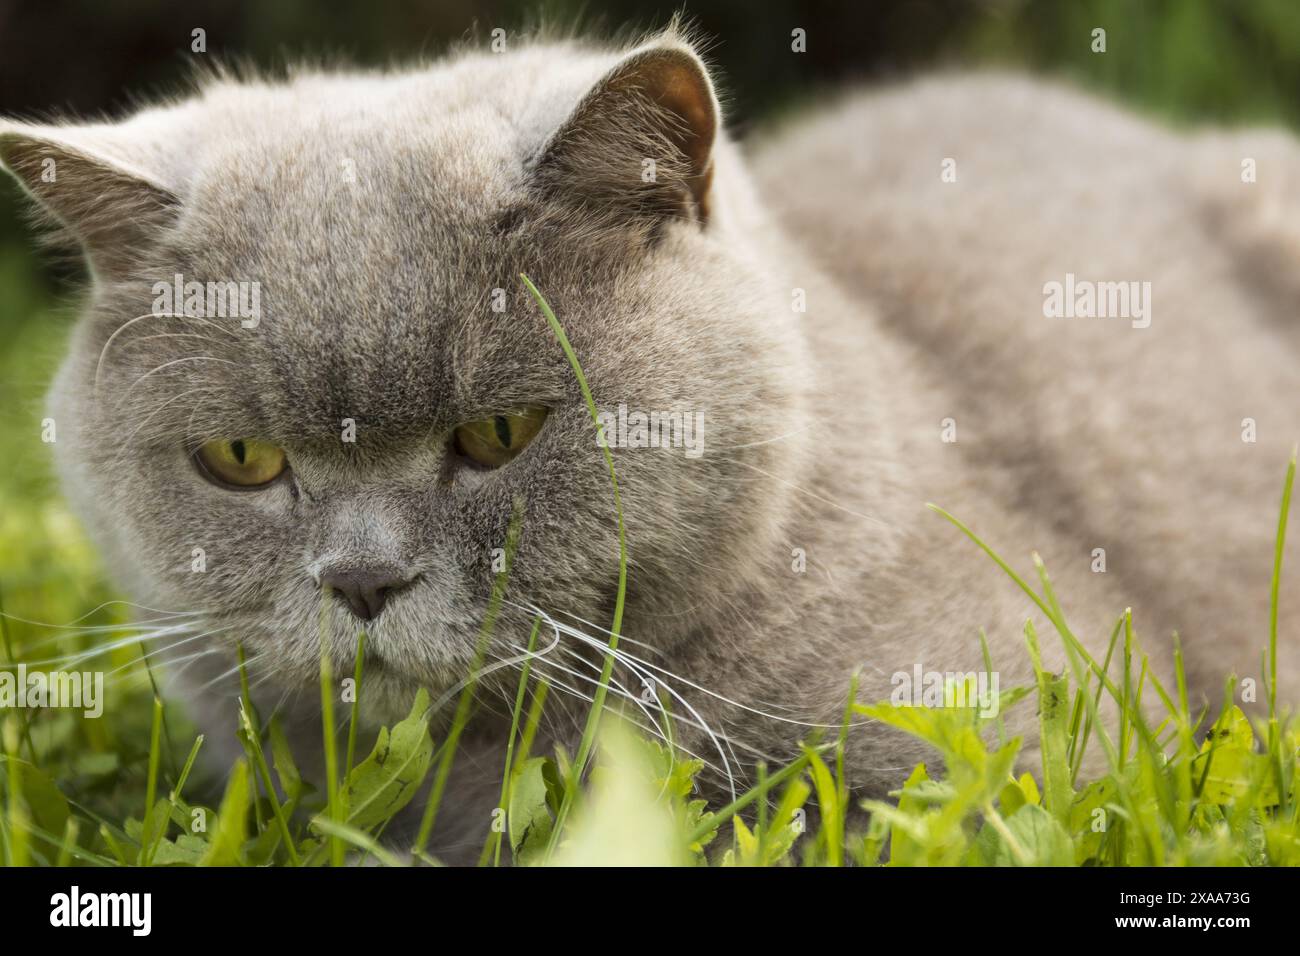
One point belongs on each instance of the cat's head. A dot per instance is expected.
(378, 392)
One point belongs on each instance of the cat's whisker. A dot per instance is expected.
(652, 727)
(226, 675)
(619, 689)
(155, 658)
(191, 659)
(95, 610)
(622, 638)
(262, 679)
(651, 680)
(708, 730)
(120, 674)
(130, 633)
(756, 444)
(718, 738)
(126, 634)
(179, 361)
(125, 445)
(103, 352)
(621, 654)
(450, 694)
(100, 649)
(172, 335)
(812, 494)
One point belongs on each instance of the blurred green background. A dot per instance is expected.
(1186, 60)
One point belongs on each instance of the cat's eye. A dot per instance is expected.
(491, 442)
(241, 462)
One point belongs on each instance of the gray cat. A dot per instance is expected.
(1067, 326)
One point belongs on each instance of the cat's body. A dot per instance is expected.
(797, 548)
(1117, 436)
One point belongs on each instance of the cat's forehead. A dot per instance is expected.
(301, 188)
(378, 230)
(341, 152)
(368, 189)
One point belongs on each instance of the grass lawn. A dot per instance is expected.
(125, 789)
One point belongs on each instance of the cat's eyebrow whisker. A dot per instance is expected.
(187, 358)
(161, 405)
(103, 352)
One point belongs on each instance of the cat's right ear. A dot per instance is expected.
(112, 208)
(638, 147)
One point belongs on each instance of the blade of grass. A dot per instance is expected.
(607, 670)
(356, 704)
(1076, 753)
(68, 847)
(249, 724)
(153, 683)
(463, 705)
(333, 804)
(264, 772)
(359, 839)
(151, 785)
(1274, 731)
(713, 821)
(19, 825)
(12, 659)
(175, 795)
(988, 669)
(492, 849)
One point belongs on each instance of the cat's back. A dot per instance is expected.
(969, 213)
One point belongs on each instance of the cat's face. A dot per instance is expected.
(383, 322)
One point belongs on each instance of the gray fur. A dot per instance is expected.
(924, 302)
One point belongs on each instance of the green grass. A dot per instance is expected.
(113, 792)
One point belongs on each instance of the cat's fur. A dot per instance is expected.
(924, 303)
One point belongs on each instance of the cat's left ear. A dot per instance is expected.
(93, 187)
(640, 143)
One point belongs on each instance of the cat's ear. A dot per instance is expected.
(640, 142)
(111, 206)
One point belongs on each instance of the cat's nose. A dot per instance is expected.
(365, 590)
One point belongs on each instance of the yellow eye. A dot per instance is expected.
(245, 462)
(491, 442)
